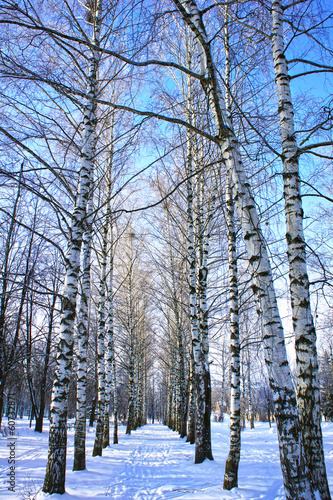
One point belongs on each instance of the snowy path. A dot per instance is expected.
(154, 464)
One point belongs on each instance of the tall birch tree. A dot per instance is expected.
(308, 396)
(231, 466)
(56, 463)
(82, 345)
(101, 347)
(292, 460)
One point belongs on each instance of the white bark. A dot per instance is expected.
(101, 370)
(82, 345)
(294, 470)
(56, 464)
(308, 396)
(197, 360)
(131, 367)
(109, 353)
(204, 226)
(110, 334)
(180, 417)
(192, 288)
(231, 466)
(198, 307)
(138, 420)
(232, 462)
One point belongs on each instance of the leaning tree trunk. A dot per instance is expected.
(231, 466)
(294, 470)
(56, 463)
(82, 346)
(308, 396)
(289, 431)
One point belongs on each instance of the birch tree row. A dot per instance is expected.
(183, 112)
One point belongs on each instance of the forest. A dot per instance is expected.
(166, 225)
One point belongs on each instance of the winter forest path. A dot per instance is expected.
(155, 468)
(153, 463)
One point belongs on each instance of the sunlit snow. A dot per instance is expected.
(153, 463)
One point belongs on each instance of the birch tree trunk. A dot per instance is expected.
(180, 417)
(108, 376)
(109, 355)
(202, 377)
(101, 400)
(171, 402)
(131, 367)
(308, 395)
(193, 433)
(249, 386)
(110, 334)
(202, 283)
(294, 470)
(139, 377)
(191, 412)
(181, 383)
(232, 463)
(115, 402)
(56, 463)
(198, 310)
(82, 346)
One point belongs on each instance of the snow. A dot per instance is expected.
(152, 463)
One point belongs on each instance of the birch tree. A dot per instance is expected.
(178, 382)
(131, 367)
(56, 464)
(101, 400)
(128, 316)
(308, 396)
(200, 345)
(290, 440)
(110, 367)
(231, 466)
(82, 345)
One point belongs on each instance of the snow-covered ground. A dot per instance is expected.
(153, 463)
